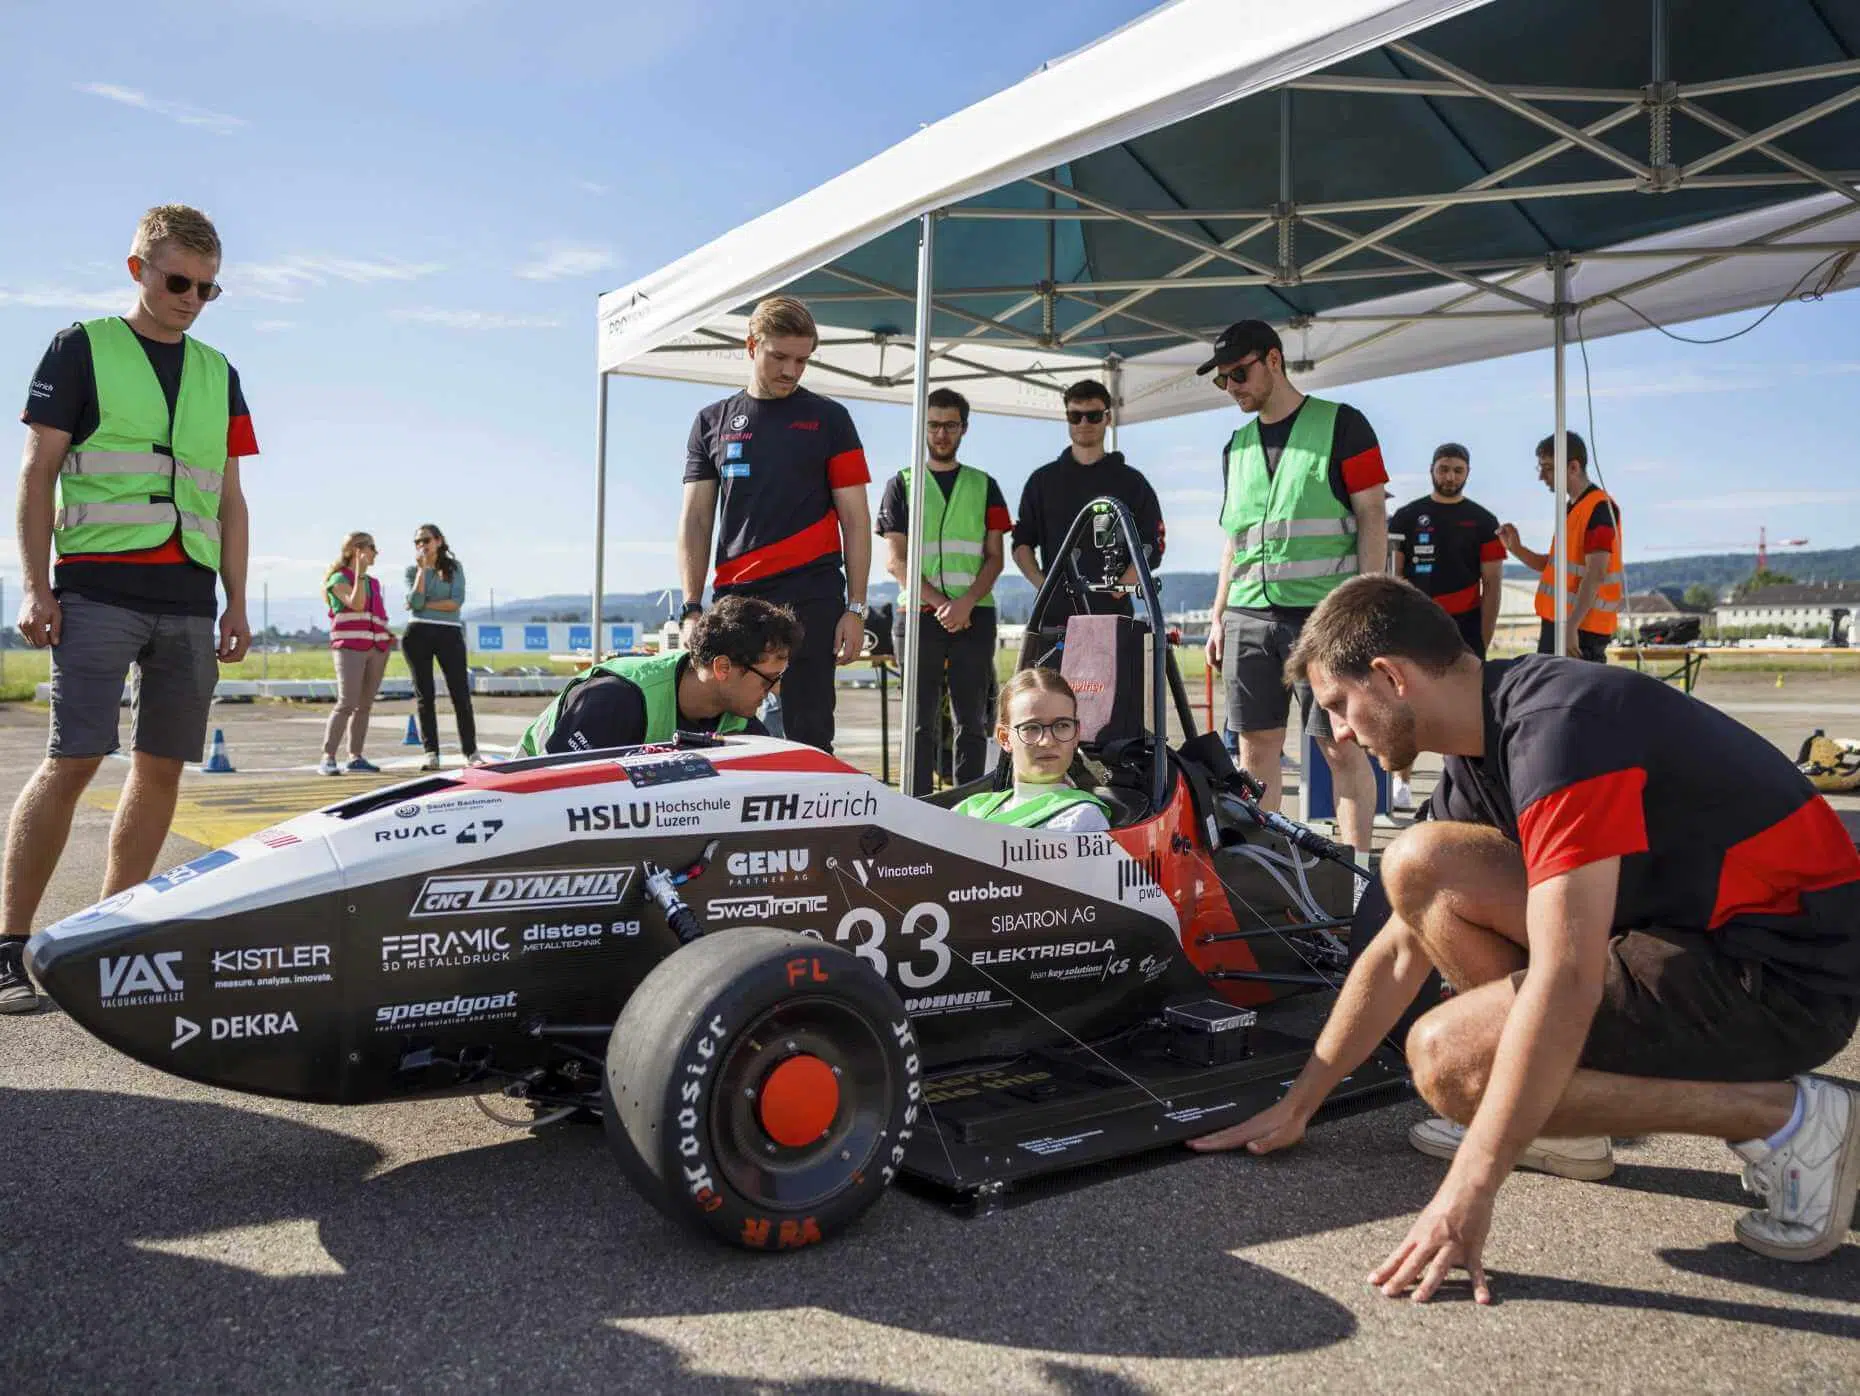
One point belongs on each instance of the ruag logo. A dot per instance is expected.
(242, 1025)
(764, 908)
(419, 950)
(446, 1013)
(394, 832)
(605, 819)
(271, 966)
(766, 867)
(463, 896)
(988, 892)
(131, 981)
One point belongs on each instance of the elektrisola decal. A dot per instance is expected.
(461, 895)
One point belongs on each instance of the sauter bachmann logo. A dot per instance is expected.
(465, 896)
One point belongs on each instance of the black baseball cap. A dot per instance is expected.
(1237, 341)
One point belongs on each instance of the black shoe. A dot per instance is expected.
(16, 993)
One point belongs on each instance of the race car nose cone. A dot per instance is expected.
(799, 1101)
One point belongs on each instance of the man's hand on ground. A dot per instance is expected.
(1276, 1127)
(41, 619)
(848, 638)
(1450, 1233)
(235, 635)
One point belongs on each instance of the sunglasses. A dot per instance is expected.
(178, 285)
(1094, 416)
(1063, 729)
(1237, 373)
(423, 540)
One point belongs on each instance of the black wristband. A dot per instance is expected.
(691, 608)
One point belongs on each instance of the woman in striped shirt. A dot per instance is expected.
(359, 636)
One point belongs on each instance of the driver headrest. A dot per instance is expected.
(1103, 661)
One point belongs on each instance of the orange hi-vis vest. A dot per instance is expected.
(1606, 609)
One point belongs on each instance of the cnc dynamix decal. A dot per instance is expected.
(455, 895)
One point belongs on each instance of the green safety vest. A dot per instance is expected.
(1294, 543)
(1029, 814)
(654, 675)
(954, 531)
(143, 471)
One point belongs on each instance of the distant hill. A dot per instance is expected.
(1721, 571)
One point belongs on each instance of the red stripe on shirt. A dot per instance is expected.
(1458, 603)
(998, 519)
(1491, 551)
(240, 440)
(847, 468)
(1767, 873)
(1364, 470)
(1584, 823)
(1600, 539)
(815, 541)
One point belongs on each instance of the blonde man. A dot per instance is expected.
(134, 431)
(777, 473)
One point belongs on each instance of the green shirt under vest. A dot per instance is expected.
(656, 678)
(992, 805)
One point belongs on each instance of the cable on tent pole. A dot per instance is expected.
(914, 532)
(1559, 555)
(600, 517)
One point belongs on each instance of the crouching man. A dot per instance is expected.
(1651, 921)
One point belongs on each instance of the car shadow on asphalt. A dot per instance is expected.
(532, 1260)
(1588, 1294)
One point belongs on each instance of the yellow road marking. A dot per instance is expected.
(218, 810)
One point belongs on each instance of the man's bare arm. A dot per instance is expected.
(1023, 559)
(1372, 529)
(994, 559)
(235, 548)
(849, 502)
(897, 547)
(1491, 597)
(697, 518)
(40, 617)
(1594, 568)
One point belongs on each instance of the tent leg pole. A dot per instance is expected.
(600, 518)
(914, 534)
(1114, 380)
(1559, 271)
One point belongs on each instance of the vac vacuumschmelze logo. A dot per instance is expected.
(465, 896)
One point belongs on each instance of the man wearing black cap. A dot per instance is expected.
(1303, 513)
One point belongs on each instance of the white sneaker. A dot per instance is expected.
(1809, 1182)
(431, 763)
(1589, 1160)
(1401, 795)
(329, 767)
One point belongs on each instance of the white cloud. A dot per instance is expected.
(287, 278)
(476, 319)
(63, 298)
(591, 186)
(273, 326)
(184, 112)
(557, 261)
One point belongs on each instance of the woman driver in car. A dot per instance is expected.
(1037, 725)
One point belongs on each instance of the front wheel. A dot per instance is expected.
(764, 1087)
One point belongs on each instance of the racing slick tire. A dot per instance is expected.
(763, 1087)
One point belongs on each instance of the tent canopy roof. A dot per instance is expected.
(1385, 180)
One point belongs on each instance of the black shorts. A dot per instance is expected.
(1592, 647)
(1676, 1007)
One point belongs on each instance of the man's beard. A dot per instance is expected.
(1447, 489)
(942, 457)
(1399, 748)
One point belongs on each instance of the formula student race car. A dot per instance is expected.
(780, 982)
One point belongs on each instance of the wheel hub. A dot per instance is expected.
(799, 1101)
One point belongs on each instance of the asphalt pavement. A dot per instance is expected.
(161, 1236)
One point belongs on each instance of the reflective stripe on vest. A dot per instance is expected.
(357, 630)
(1294, 542)
(146, 471)
(955, 528)
(1028, 814)
(656, 678)
(1601, 616)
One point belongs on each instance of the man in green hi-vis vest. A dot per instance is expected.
(1303, 512)
(965, 527)
(131, 475)
(739, 650)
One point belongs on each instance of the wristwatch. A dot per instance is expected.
(858, 608)
(691, 608)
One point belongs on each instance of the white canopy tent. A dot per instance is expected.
(1339, 219)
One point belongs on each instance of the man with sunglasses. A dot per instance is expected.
(1303, 513)
(735, 660)
(1057, 491)
(131, 475)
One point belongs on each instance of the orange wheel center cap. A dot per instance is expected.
(799, 1101)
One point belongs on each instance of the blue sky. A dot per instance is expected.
(421, 200)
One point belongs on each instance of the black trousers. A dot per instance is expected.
(422, 644)
(1592, 647)
(964, 663)
(807, 691)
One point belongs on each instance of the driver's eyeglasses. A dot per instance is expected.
(179, 285)
(1063, 729)
(1093, 415)
(770, 681)
(1235, 374)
